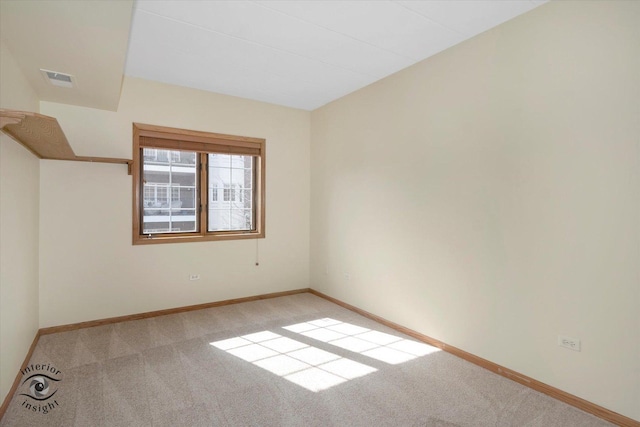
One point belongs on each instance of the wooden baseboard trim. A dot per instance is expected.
(92, 323)
(16, 382)
(107, 321)
(558, 394)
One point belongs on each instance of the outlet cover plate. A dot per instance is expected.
(568, 342)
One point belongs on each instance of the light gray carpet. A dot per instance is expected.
(164, 371)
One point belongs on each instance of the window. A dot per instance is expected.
(214, 193)
(176, 178)
(226, 195)
(175, 156)
(150, 154)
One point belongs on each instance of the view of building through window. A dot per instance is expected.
(170, 192)
(233, 176)
(191, 186)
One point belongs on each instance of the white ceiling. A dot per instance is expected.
(301, 54)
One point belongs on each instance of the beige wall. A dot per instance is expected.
(88, 266)
(19, 185)
(489, 197)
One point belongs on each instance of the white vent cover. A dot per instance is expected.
(58, 79)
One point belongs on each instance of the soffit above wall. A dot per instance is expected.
(87, 39)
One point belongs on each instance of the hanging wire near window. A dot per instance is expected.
(257, 254)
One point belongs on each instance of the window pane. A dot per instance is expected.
(169, 191)
(233, 177)
(247, 198)
(241, 219)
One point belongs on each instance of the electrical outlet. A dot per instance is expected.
(194, 277)
(568, 342)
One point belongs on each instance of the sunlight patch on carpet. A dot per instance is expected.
(375, 344)
(300, 363)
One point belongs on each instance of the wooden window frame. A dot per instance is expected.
(166, 138)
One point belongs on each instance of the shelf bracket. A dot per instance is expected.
(43, 136)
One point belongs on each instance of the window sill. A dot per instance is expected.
(210, 237)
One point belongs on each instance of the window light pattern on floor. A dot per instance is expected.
(302, 364)
(377, 345)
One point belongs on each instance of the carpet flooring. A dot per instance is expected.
(291, 361)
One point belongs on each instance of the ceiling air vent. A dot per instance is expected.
(58, 79)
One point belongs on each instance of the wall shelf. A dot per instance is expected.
(43, 136)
